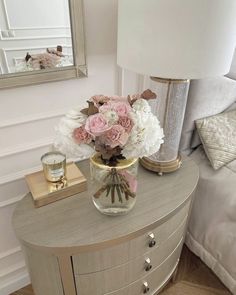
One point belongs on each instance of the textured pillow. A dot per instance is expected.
(218, 136)
(196, 141)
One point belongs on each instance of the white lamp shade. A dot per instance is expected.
(177, 39)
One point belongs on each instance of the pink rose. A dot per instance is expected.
(122, 108)
(116, 136)
(105, 107)
(96, 125)
(126, 123)
(80, 135)
(99, 99)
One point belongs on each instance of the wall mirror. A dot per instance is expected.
(41, 41)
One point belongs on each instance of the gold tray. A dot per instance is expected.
(45, 192)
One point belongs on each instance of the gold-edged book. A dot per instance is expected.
(44, 192)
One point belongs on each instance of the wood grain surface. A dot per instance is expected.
(73, 227)
(193, 278)
(44, 272)
(105, 259)
(134, 270)
(75, 222)
(45, 192)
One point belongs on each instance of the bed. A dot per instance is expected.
(212, 228)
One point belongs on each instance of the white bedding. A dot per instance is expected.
(212, 228)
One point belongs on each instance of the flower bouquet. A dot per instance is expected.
(114, 131)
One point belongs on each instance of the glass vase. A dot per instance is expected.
(114, 187)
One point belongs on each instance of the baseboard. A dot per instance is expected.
(15, 283)
(13, 271)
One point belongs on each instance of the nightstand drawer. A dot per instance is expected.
(158, 277)
(115, 278)
(90, 262)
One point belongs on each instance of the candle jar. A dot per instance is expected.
(54, 166)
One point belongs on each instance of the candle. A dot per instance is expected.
(54, 166)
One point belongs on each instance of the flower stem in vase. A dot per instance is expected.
(117, 186)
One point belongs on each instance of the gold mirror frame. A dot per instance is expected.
(78, 70)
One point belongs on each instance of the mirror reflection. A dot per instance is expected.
(34, 35)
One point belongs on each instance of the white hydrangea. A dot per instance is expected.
(72, 150)
(73, 119)
(64, 141)
(76, 115)
(141, 105)
(146, 136)
(66, 126)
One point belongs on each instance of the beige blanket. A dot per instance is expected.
(212, 228)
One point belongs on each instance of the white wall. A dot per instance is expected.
(46, 26)
(27, 119)
(33, 13)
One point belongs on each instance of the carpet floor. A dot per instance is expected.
(193, 278)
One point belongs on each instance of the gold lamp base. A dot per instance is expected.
(161, 167)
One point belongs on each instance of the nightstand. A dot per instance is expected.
(72, 249)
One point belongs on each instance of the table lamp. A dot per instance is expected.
(174, 41)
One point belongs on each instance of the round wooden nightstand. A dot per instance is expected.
(71, 248)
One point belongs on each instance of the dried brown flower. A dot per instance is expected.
(148, 94)
(91, 110)
(107, 152)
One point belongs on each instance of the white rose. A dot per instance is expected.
(111, 117)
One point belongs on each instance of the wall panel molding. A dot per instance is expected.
(10, 202)
(6, 14)
(32, 47)
(4, 59)
(18, 175)
(10, 252)
(11, 269)
(31, 118)
(34, 37)
(23, 159)
(128, 82)
(21, 148)
(40, 28)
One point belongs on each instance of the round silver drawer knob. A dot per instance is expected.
(152, 241)
(148, 265)
(145, 288)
